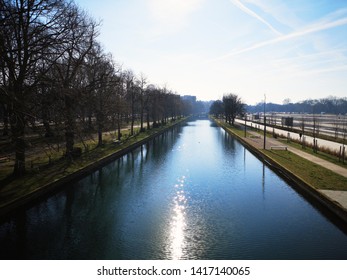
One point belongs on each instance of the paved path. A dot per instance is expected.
(257, 141)
(333, 167)
(321, 143)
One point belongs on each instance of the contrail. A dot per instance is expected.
(242, 7)
(290, 36)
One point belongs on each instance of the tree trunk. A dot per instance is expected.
(17, 120)
(100, 120)
(148, 123)
(69, 126)
(132, 124)
(90, 124)
(45, 121)
(119, 126)
(5, 131)
(141, 120)
(132, 114)
(17, 126)
(48, 129)
(19, 168)
(99, 136)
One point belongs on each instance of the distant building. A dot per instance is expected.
(190, 98)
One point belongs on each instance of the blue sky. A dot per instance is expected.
(293, 49)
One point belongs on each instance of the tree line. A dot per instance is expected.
(328, 105)
(55, 73)
(229, 107)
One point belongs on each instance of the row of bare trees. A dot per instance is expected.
(55, 73)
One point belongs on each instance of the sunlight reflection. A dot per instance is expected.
(178, 223)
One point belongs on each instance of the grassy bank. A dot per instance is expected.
(309, 172)
(321, 154)
(39, 181)
(312, 174)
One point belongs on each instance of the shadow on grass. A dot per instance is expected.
(282, 154)
(7, 180)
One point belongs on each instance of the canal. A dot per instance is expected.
(193, 192)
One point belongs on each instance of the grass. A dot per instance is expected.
(320, 154)
(309, 172)
(315, 175)
(325, 154)
(40, 178)
(233, 129)
(42, 152)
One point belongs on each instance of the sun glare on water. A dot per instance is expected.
(178, 223)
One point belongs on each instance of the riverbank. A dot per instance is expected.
(323, 184)
(23, 191)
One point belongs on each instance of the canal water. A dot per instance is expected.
(192, 193)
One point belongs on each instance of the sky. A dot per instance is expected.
(278, 50)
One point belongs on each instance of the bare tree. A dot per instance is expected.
(143, 98)
(29, 32)
(232, 107)
(101, 83)
(217, 108)
(118, 101)
(131, 96)
(78, 43)
(150, 92)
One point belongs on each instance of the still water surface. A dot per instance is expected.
(191, 193)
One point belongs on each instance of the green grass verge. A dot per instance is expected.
(233, 129)
(309, 172)
(322, 155)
